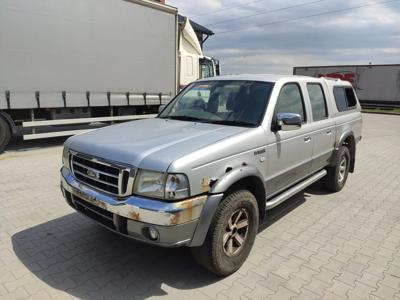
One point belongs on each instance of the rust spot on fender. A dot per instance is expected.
(187, 210)
(205, 185)
(174, 219)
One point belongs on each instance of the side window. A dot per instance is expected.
(290, 100)
(345, 98)
(340, 98)
(206, 68)
(318, 101)
(351, 98)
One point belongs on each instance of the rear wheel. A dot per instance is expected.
(337, 175)
(5, 134)
(231, 234)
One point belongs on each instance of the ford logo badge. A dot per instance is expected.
(93, 174)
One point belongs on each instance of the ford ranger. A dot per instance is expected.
(207, 169)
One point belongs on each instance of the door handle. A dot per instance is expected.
(329, 131)
(307, 138)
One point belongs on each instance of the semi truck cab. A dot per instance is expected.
(192, 63)
(209, 67)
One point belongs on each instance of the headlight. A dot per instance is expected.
(65, 157)
(159, 185)
(176, 187)
(150, 184)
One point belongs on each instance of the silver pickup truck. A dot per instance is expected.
(207, 169)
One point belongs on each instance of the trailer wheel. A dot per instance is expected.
(5, 134)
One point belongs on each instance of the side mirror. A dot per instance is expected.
(161, 108)
(288, 121)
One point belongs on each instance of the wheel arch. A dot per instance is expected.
(347, 139)
(244, 177)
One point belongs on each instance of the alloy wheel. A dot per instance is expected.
(236, 232)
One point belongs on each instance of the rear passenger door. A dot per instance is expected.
(289, 156)
(323, 127)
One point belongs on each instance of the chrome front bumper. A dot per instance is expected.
(176, 222)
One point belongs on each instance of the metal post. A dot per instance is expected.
(33, 119)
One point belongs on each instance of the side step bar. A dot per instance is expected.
(294, 190)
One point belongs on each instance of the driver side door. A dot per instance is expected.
(289, 154)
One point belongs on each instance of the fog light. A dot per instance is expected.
(153, 233)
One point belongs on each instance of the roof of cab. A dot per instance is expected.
(274, 78)
(254, 77)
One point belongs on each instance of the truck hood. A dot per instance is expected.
(151, 144)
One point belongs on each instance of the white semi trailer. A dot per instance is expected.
(67, 64)
(376, 85)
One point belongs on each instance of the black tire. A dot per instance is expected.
(213, 255)
(5, 134)
(335, 180)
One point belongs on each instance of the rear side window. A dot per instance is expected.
(290, 100)
(318, 102)
(351, 98)
(345, 98)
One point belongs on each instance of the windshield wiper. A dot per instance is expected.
(231, 123)
(183, 118)
(220, 122)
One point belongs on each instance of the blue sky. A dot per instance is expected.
(354, 36)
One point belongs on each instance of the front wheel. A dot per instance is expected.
(231, 234)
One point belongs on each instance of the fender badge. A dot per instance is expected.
(258, 152)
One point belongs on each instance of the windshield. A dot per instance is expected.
(228, 102)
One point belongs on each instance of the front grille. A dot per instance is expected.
(111, 178)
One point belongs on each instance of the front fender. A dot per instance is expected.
(216, 194)
(226, 181)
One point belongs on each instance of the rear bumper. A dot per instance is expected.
(177, 223)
